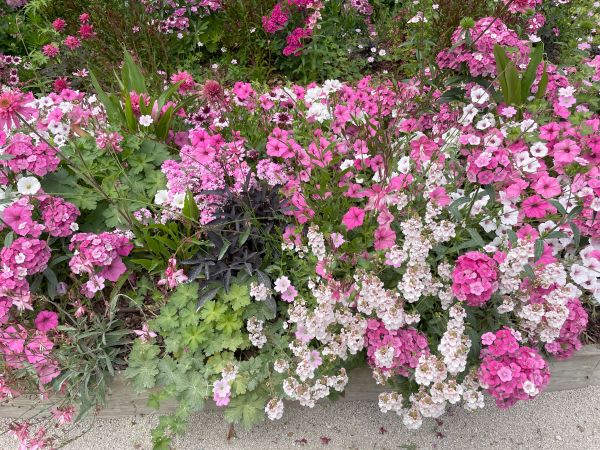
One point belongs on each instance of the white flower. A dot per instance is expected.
(161, 197)
(404, 165)
(28, 186)
(178, 200)
(282, 284)
(146, 121)
(539, 149)
(479, 95)
(534, 38)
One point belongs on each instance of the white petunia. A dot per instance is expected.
(28, 186)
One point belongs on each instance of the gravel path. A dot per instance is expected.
(560, 420)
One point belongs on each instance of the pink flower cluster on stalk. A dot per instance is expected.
(522, 6)
(509, 371)
(175, 16)
(480, 61)
(281, 15)
(37, 158)
(475, 278)
(102, 251)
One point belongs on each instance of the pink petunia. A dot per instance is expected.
(353, 218)
(547, 186)
(385, 238)
(536, 207)
(46, 321)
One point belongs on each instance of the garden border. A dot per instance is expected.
(580, 371)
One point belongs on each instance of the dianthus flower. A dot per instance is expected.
(568, 341)
(39, 159)
(26, 256)
(59, 216)
(475, 278)
(511, 372)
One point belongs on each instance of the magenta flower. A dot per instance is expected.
(353, 218)
(536, 208)
(46, 321)
(474, 278)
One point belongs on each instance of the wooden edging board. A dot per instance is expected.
(582, 370)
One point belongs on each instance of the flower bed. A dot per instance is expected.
(578, 372)
(174, 239)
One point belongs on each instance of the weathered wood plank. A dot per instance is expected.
(580, 371)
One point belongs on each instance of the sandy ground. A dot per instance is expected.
(560, 420)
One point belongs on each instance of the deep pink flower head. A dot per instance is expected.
(72, 42)
(50, 50)
(511, 372)
(59, 24)
(58, 216)
(26, 256)
(39, 159)
(46, 321)
(353, 218)
(475, 278)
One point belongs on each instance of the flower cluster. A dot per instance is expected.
(510, 371)
(102, 251)
(474, 278)
(479, 60)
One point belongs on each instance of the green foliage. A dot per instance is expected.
(198, 345)
(90, 354)
(105, 185)
(516, 87)
(121, 108)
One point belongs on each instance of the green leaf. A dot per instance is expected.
(246, 410)
(543, 84)
(190, 208)
(212, 311)
(531, 71)
(132, 76)
(238, 296)
(576, 234)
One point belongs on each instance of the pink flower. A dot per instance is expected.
(50, 50)
(337, 240)
(385, 238)
(547, 186)
(221, 392)
(568, 341)
(353, 218)
(408, 345)
(145, 334)
(59, 24)
(72, 42)
(537, 208)
(474, 278)
(439, 196)
(14, 104)
(46, 321)
(510, 372)
(566, 151)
